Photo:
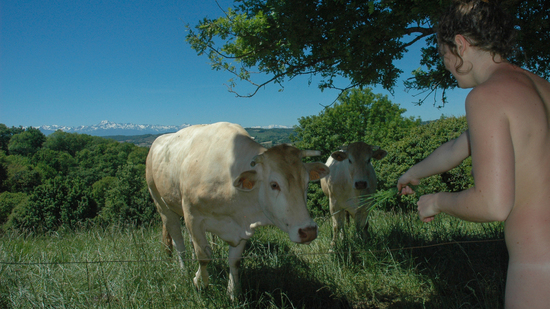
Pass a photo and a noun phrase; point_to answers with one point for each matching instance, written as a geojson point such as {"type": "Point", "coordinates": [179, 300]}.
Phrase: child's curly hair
{"type": "Point", "coordinates": [482, 22]}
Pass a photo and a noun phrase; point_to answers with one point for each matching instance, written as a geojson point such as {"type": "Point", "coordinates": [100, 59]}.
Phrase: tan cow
{"type": "Point", "coordinates": [221, 181]}
{"type": "Point", "coordinates": [351, 177]}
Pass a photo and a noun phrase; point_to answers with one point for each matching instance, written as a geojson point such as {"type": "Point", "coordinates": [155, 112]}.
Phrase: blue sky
{"type": "Point", "coordinates": [80, 62]}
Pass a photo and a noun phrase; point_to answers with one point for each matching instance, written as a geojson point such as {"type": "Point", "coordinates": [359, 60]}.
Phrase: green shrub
{"type": "Point", "coordinates": [100, 188]}
{"type": "Point", "coordinates": [317, 201]}
{"type": "Point", "coordinates": [359, 115]}
{"type": "Point", "coordinates": [3, 169]}
{"type": "Point", "coordinates": [10, 201]}
{"type": "Point", "coordinates": [68, 179]}
{"type": "Point", "coordinates": [61, 162]}
{"type": "Point", "coordinates": [70, 143]}
{"type": "Point", "coordinates": [26, 143]}
{"type": "Point", "coordinates": [128, 200]}
{"type": "Point", "coordinates": [421, 142]}
{"type": "Point", "coordinates": [138, 155]}
{"type": "Point", "coordinates": [21, 174]}
{"type": "Point", "coordinates": [58, 202]}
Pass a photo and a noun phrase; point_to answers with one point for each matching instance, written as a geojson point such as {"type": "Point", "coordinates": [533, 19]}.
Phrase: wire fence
{"type": "Point", "coordinates": [258, 256]}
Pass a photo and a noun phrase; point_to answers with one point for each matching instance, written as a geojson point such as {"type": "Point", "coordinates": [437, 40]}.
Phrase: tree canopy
{"type": "Point", "coordinates": [358, 115]}
{"type": "Point", "coordinates": [68, 179]}
{"type": "Point", "coordinates": [359, 40]}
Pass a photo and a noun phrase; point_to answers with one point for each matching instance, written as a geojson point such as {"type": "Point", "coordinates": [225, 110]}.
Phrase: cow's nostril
{"type": "Point", "coordinates": [302, 233]}
{"type": "Point", "coordinates": [360, 185]}
{"type": "Point", "coordinates": [307, 234]}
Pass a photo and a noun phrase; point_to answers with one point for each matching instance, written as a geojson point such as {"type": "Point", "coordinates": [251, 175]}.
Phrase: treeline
{"type": "Point", "coordinates": [274, 136]}
{"type": "Point", "coordinates": [263, 136]}
{"type": "Point", "coordinates": [70, 179]}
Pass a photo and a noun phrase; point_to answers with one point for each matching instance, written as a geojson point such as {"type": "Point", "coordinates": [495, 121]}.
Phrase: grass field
{"type": "Point", "coordinates": [403, 264]}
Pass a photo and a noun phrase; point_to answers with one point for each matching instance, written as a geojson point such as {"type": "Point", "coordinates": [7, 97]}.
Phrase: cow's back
{"type": "Point", "coordinates": [199, 162]}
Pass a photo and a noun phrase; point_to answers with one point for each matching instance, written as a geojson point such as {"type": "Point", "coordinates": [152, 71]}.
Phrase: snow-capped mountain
{"type": "Point", "coordinates": [109, 128]}
{"type": "Point", "coordinates": [106, 128]}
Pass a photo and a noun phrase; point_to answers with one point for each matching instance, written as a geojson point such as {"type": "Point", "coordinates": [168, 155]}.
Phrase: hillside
{"type": "Point", "coordinates": [267, 137]}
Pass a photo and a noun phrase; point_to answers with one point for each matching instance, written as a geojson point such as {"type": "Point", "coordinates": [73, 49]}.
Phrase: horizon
{"type": "Point", "coordinates": [75, 63]}
{"type": "Point", "coordinates": [106, 121]}
{"type": "Point", "coordinates": [107, 128]}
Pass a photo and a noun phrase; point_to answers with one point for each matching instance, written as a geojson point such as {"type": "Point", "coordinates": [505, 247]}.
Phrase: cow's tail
{"type": "Point", "coordinates": [167, 240]}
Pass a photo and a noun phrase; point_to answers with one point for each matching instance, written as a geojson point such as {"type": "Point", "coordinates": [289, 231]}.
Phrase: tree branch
{"type": "Point", "coordinates": [423, 30]}
{"type": "Point", "coordinates": [416, 40]}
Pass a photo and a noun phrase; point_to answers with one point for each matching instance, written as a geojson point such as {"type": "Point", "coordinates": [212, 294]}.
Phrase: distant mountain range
{"type": "Point", "coordinates": [109, 128]}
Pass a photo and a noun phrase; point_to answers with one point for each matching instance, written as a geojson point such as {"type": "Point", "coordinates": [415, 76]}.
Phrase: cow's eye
{"type": "Point", "coordinates": [275, 186]}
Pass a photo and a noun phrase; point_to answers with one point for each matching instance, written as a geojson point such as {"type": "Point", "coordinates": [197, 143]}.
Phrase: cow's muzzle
{"type": "Point", "coordinates": [307, 234]}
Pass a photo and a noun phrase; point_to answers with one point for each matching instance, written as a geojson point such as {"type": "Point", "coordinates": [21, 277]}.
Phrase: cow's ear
{"type": "Point", "coordinates": [317, 170]}
{"type": "Point", "coordinates": [246, 181]}
{"type": "Point", "coordinates": [339, 155]}
{"type": "Point", "coordinates": [379, 154]}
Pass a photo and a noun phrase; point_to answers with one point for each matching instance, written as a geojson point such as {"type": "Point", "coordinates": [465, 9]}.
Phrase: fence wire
{"type": "Point", "coordinates": [256, 256]}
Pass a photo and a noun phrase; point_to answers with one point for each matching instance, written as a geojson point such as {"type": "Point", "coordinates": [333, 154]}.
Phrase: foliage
{"type": "Point", "coordinates": [68, 142]}
{"type": "Point", "coordinates": [357, 40]}
{"type": "Point", "coordinates": [143, 140]}
{"type": "Point", "coordinates": [68, 179]}
{"type": "Point", "coordinates": [271, 136]}
{"type": "Point", "coordinates": [8, 202]}
{"type": "Point", "coordinates": [359, 115]}
{"type": "Point", "coordinates": [128, 198]}
{"type": "Point", "coordinates": [6, 134]}
{"type": "Point", "coordinates": [317, 201]}
{"type": "Point", "coordinates": [73, 179]}
{"type": "Point", "coordinates": [53, 162]}
{"type": "Point", "coordinates": [57, 202]}
{"type": "Point", "coordinates": [26, 143]}
{"type": "Point", "coordinates": [100, 188]}
{"type": "Point", "coordinates": [21, 174]}
{"type": "Point", "coordinates": [421, 142]}
{"type": "Point", "coordinates": [3, 170]}
{"type": "Point", "coordinates": [138, 156]}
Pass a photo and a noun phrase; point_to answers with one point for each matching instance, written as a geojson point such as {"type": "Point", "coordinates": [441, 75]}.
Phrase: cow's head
{"type": "Point", "coordinates": [281, 179]}
{"type": "Point", "coordinates": [357, 157]}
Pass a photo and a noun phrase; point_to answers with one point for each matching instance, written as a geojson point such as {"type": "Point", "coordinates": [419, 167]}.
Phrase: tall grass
{"type": "Point", "coordinates": [404, 263]}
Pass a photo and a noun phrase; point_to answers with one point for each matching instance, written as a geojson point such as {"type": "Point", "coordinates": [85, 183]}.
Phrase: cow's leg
{"type": "Point", "coordinates": [203, 251]}
{"type": "Point", "coordinates": [204, 254]}
{"type": "Point", "coordinates": [361, 220]}
{"type": "Point", "coordinates": [235, 254]}
{"type": "Point", "coordinates": [171, 230]}
{"type": "Point", "coordinates": [338, 218]}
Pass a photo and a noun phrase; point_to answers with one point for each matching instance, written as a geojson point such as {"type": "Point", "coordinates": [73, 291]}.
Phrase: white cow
{"type": "Point", "coordinates": [351, 177]}
{"type": "Point", "coordinates": [221, 181]}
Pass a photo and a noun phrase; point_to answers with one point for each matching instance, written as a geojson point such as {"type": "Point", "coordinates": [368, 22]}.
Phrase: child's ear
{"type": "Point", "coordinates": [461, 44]}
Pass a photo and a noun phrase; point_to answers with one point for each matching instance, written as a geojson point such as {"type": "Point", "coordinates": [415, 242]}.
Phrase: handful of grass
{"type": "Point", "coordinates": [377, 199]}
